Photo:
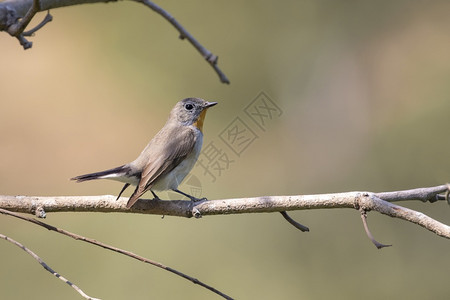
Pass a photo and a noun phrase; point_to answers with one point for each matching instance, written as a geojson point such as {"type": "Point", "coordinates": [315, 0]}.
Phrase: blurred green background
{"type": "Point", "coordinates": [363, 87]}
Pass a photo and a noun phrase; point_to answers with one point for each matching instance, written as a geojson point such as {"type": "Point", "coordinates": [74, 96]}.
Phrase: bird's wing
{"type": "Point", "coordinates": [171, 152]}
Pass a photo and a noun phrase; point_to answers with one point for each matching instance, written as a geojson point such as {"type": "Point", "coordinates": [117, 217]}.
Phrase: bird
{"type": "Point", "coordinates": [169, 156]}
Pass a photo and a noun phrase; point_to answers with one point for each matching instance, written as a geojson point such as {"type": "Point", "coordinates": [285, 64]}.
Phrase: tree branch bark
{"type": "Point", "coordinates": [362, 202]}
{"type": "Point", "coordinates": [368, 201]}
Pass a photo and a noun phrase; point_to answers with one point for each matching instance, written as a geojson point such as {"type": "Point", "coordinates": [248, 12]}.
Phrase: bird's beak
{"type": "Point", "coordinates": [209, 104]}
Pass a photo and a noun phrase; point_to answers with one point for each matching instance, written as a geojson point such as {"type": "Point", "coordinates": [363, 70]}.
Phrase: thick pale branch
{"type": "Point", "coordinates": [355, 200]}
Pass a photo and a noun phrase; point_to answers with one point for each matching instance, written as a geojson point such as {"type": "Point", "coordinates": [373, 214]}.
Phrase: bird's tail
{"type": "Point", "coordinates": [115, 173]}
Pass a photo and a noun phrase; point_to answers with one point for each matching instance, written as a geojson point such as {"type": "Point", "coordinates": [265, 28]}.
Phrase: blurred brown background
{"type": "Point", "coordinates": [363, 87]}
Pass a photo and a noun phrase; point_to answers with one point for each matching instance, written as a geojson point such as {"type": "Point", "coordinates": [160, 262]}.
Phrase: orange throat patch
{"type": "Point", "coordinates": [200, 120]}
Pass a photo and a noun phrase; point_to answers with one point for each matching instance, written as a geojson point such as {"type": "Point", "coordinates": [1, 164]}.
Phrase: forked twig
{"type": "Point", "coordinates": [17, 29]}
{"type": "Point", "coordinates": [115, 249]}
{"type": "Point", "coordinates": [48, 18]}
{"type": "Point", "coordinates": [47, 267]}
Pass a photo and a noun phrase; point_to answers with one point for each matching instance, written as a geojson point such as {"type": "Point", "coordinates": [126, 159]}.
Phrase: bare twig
{"type": "Point", "coordinates": [430, 194]}
{"type": "Point", "coordinates": [17, 29]}
{"type": "Point", "coordinates": [115, 249]}
{"type": "Point", "coordinates": [369, 234]}
{"type": "Point", "coordinates": [415, 217]}
{"type": "Point", "coordinates": [293, 222]}
{"type": "Point", "coordinates": [48, 18]}
{"type": "Point", "coordinates": [46, 267]}
{"type": "Point", "coordinates": [447, 193]}
{"type": "Point", "coordinates": [14, 18]}
{"type": "Point", "coordinates": [184, 34]}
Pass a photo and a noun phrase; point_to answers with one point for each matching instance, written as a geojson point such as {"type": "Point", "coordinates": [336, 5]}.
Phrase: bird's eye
{"type": "Point", "coordinates": [189, 106]}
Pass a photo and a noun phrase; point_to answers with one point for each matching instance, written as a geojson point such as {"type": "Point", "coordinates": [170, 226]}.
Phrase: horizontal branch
{"type": "Point", "coordinates": [355, 200]}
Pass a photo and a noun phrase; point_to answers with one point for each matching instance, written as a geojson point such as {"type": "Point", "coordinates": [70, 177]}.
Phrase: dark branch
{"type": "Point", "coordinates": [115, 249]}
{"type": "Point", "coordinates": [48, 18]}
{"type": "Point", "coordinates": [293, 222]}
{"type": "Point", "coordinates": [16, 15]}
{"type": "Point", "coordinates": [184, 34]}
{"type": "Point", "coordinates": [17, 29]}
{"type": "Point", "coordinates": [45, 266]}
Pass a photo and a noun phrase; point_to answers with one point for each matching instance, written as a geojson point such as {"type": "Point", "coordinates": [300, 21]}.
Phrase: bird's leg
{"type": "Point", "coordinates": [155, 197]}
{"type": "Point", "coordinates": [194, 199]}
{"type": "Point", "coordinates": [123, 189]}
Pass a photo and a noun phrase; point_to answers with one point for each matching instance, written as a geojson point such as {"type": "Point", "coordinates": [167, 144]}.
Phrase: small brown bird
{"type": "Point", "coordinates": [169, 156]}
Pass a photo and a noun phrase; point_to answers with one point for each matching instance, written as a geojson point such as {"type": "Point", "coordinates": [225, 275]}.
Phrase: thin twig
{"type": "Point", "coordinates": [369, 234]}
{"type": "Point", "coordinates": [293, 222]}
{"type": "Point", "coordinates": [447, 193]}
{"type": "Point", "coordinates": [18, 28]}
{"type": "Point", "coordinates": [48, 18]}
{"type": "Point", "coordinates": [115, 249]}
{"type": "Point", "coordinates": [46, 267]}
{"type": "Point", "coordinates": [423, 194]}
{"type": "Point", "coordinates": [184, 34]}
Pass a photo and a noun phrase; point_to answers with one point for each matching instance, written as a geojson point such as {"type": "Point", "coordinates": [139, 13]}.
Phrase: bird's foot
{"type": "Point", "coordinates": [194, 199]}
